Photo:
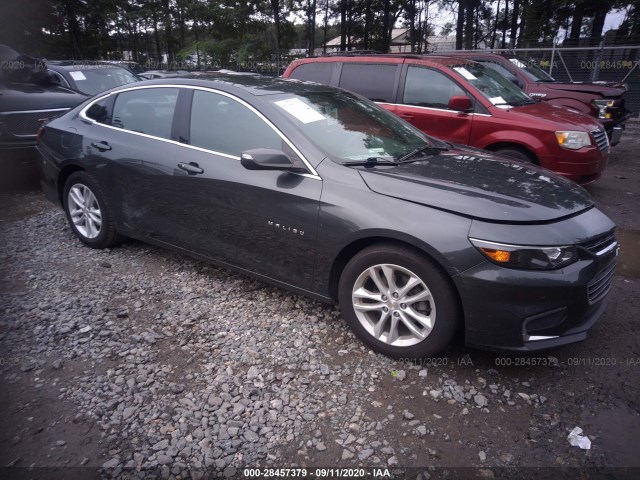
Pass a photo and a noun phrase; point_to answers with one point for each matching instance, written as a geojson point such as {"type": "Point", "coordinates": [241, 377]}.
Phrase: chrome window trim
{"type": "Point", "coordinates": [65, 109]}
{"type": "Point", "coordinates": [313, 173]}
{"type": "Point", "coordinates": [433, 108]}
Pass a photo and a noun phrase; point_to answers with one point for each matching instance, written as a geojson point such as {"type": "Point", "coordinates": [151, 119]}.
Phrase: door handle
{"type": "Point", "coordinates": [102, 146]}
{"type": "Point", "coordinates": [406, 116]}
{"type": "Point", "coordinates": [191, 168]}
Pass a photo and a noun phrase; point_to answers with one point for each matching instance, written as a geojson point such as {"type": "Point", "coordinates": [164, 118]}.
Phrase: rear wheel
{"type": "Point", "coordinates": [398, 302]}
{"type": "Point", "coordinates": [88, 211]}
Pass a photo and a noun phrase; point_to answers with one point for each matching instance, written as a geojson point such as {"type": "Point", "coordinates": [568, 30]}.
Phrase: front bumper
{"type": "Point", "coordinates": [525, 310]}
{"type": "Point", "coordinates": [513, 310]}
{"type": "Point", "coordinates": [582, 166]}
{"type": "Point", "coordinates": [615, 134]}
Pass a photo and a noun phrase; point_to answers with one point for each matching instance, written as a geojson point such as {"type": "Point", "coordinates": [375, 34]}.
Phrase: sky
{"type": "Point", "coordinates": [440, 18]}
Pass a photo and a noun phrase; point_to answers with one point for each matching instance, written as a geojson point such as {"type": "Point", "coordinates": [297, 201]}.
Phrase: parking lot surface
{"type": "Point", "coordinates": [136, 359]}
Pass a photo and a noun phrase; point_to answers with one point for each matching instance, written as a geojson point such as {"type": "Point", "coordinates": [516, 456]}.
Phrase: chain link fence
{"type": "Point", "coordinates": [618, 63]}
{"type": "Point", "coordinates": [589, 64]}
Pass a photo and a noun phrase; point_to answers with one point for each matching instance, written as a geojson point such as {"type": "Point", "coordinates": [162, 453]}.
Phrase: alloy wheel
{"type": "Point", "coordinates": [84, 211]}
{"type": "Point", "coordinates": [393, 305]}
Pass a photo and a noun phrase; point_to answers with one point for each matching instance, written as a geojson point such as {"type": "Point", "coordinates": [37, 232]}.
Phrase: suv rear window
{"type": "Point", "coordinates": [314, 72]}
{"type": "Point", "coordinates": [374, 81]}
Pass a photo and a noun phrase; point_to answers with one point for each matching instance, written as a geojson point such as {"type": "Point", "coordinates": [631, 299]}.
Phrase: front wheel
{"type": "Point", "coordinates": [88, 211]}
{"type": "Point", "coordinates": [517, 153]}
{"type": "Point", "coordinates": [398, 302]}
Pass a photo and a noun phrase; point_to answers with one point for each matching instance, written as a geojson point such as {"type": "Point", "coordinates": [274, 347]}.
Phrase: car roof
{"type": "Point", "coordinates": [257, 85]}
{"type": "Point", "coordinates": [431, 59]}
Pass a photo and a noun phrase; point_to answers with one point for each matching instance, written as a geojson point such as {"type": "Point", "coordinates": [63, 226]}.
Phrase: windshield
{"type": "Point", "coordinates": [350, 129]}
{"type": "Point", "coordinates": [532, 71]}
{"type": "Point", "coordinates": [496, 88]}
{"type": "Point", "coordinates": [98, 79]}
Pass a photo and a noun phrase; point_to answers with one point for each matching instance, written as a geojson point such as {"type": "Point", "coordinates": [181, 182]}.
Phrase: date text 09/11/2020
{"type": "Point", "coordinates": [316, 472]}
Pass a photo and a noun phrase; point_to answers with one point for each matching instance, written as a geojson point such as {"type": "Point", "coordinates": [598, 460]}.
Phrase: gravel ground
{"type": "Point", "coordinates": [138, 361]}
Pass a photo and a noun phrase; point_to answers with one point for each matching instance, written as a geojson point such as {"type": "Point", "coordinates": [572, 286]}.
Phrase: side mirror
{"type": "Point", "coordinates": [518, 82]}
{"type": "Point", "coordinates": [265, 159]}
{"type": "Point", "coordinates": [461, 103]}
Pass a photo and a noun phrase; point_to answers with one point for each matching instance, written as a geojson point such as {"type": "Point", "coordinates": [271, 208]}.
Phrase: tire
{"type": "Point", "coordinates": [88, 211]}
{"type": "Point", "coordinates": [364, 283]}
{"type": "Point", "coordinates": [517, 154]}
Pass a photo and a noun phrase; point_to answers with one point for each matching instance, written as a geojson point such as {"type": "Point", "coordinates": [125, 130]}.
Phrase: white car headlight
{"type": "Point", "coordinates": [602, 106]}
{"type": "Point", "coordinates": [573, 139]}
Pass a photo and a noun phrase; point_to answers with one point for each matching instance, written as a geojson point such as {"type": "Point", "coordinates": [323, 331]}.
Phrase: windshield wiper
{"type": "Point", "coordinates": [428, 149]}
{"type": "Point", "coordinates": [372, 161]}
{"type": "Point", "coordinates": [527, 101]}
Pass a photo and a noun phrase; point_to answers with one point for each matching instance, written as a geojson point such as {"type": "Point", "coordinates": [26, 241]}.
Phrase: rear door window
{"type": "Point", "coordinates": [100, 111]}
{"type": "Point", "coordinates": [425, 87]}
{"type": "Point", "coordinates": [377, 82]}
{"type": "Point", "coordinates": [149, 111]}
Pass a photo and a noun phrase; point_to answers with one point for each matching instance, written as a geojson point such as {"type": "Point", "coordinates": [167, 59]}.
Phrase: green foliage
{"type": "Point", "coordinates": [222, 32]}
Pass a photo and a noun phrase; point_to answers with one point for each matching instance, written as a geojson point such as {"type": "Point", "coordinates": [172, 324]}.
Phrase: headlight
{"type": "Point", "coordinates": [602, 105]}
{"type": "Point", "coordinates": [526, 256]}
{"type": "Point", "coordinates": [573, 139]}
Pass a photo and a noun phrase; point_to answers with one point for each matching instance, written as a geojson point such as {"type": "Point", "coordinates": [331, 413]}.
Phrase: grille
{"type": "Point", "coordinates": [601, 284]}
{"type": "Point", "coordinates": [25, 124]}
{"type": "Point", "coordinates": [601, 139]}
{"type": "Point", "coordinates": [601, 244]}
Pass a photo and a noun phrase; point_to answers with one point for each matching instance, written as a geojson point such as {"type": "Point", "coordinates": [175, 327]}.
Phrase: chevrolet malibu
{"type": "Point", "coordinates": [325, 193]}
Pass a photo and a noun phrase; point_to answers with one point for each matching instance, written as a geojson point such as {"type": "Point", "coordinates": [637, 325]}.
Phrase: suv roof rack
{"type": "Point", "coordinates": [348, 53]}
{"type": "Point", "coordinates": [71, 63]}
{"type": "Point", "coordinates": [355, 53]}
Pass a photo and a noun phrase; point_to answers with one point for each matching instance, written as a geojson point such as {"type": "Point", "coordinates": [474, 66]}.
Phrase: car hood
{"type": "Point", "coordinates": [480, 185]}
{"type": "Point", "coordinates": [606, 89]}
{"type": "Point", "coordinates": [563, 117]}
{"type": "Point", "coordinates": [28, 96]}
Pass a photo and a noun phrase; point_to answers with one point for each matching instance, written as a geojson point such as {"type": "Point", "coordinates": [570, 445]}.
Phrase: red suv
{"type": "Point", "coordinates": [603, 100]}
{"type": "Point", "coordinates": [464, 102]}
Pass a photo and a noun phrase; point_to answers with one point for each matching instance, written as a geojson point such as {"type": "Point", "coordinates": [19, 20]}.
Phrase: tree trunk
{"type": "Point", "coordinates": [412, 24]}
{"type": "Point", "coordinates": [515, 13]}
{"type": "Point", "coordinates": [504, 23]}
{"type": "Point", "coordinates": [195, 34]}
{"type": "Point", "coordinates": [385, 26]}
{"type": "Point", "coordinates": [156, 34]}
{"type": "Point", "coordinates": [326, 26]}
{"type": "Point", "coordinates": [312, 28]}
{"type": "Point", "coordinates": [460, 24]}
{"type": "Point", "coordinates": [275, 6]}
{"type": "Point", "coordinates": [468, 25]}
{"type": "Point", "coordinates": [73, 32]}
{"type": "Point", "coordinates": [349, 23]}
{"type": "Point", "coordinates": [598, 24]}
{"type": "Point", "coordinates": [181, 28]}
{"type": "Point", "coordinates": [343, 25]}
{"type": "Point", "coordinates": [576, 23]}
{"type": "Point", "coordinates": [367, 25]}
{"type": "Point", "coordinates": [523, 23]}
{"type": "Point", "coordinates": [495, 26]}
{"type": "Point", "coordinates": [168, 32]}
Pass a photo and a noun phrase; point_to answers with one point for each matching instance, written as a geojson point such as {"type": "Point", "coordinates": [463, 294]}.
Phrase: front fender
{"type": "Point", "coordinates": [530, 142]}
